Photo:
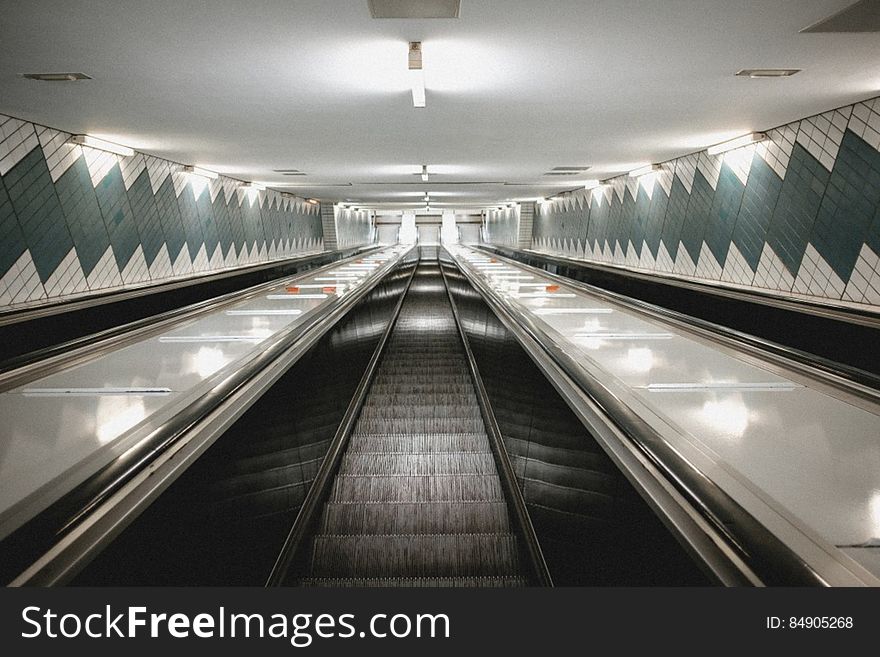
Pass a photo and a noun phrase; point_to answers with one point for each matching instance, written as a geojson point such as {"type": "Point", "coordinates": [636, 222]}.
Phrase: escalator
{"type": "Point", "coordinates": [378, 460]}
{"type": "Point", "coordinates": [417, 499]}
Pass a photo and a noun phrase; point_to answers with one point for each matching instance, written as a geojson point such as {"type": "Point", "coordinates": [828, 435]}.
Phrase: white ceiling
{"type": "Point", "coordinates": [514, 87]}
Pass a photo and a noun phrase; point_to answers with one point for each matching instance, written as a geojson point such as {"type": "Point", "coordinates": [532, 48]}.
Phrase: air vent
{"type": "Point", "coordinates": [56, 77]}
{"type": "Point", "coordinates": [414, 8]}
{"type": "Point", "coordinates": [290, 172]}
{"type": "Point", "coordinates": [562, 173]}
{"type": "Point", "coordinates": [862, 16]}
{"type": "Point", "coordinates": [571, 169]}
{"type": "Point", "coordinates": [767, 72]}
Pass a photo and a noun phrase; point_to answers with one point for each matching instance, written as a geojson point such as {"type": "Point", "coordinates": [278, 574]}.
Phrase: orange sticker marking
{"type": "Point", "coordinates": [330, 289]}
{"type": "Point", "coordinates": [293, 289]}
{"type": "Point", "coordinates": [553, 288]}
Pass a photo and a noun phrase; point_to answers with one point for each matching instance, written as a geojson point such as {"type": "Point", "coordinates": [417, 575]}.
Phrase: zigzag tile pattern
{"type": "Point", "coordinates": [76, 221]}
{"type": "Point", "coordinates": [798, 214]}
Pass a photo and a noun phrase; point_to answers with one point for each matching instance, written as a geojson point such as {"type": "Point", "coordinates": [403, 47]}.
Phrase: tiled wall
{"type": "Point", "coordinates": [345, 227]}
{"type": "Point", "coordinates": [501, 226]}
{"type": "Point", "coordinates": [796, 215]}
{"type": "Point", "coordinates": [76, 221]}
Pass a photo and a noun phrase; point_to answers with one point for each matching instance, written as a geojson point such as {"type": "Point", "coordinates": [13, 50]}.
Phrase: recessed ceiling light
{"type": "Point", "coordinates": [56, 77]}
{"type": "Point", "coordinates": [739, 142]}
{"type": "Point", "coordinates": [424, 173]}
{"type": "Point", "coordinates": [312, 201]}
{"type": "Point", "coordinates": [416, 74]}
{"type": "Point", "coordinates": [767, 72]}
{"type": "Point", "coordinates": [101, 144]}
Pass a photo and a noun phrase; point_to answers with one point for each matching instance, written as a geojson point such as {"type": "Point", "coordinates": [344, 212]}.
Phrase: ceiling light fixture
{"type": "Point", "coordinates": [424, 173]}
{"type": "Point", "coordinates": [56, 77]}
{"type": "Point", "coordinates": [739, 142]}
{"type": "Point", "coordinates": [198, 171]}
{"type": "Point", "coordinates": [416, 74]}
{"type": "Point", "coordinates": [645, 170]}
{"type": "Point", "coordinates": [101, 144]}
{"type": "Point", "coordinates": [755, 73]}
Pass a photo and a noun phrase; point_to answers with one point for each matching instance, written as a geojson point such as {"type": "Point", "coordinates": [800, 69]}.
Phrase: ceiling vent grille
{"type": "Point", "coordinates": [414, 8]}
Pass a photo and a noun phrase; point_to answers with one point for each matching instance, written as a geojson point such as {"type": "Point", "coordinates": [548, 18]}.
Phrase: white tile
{"type": "Point", "coordinates": [182, 265]}
{"type": "Point", "coordinates": [158, 170]}
{"type": "Point", "coordinates": [105, 274]}
{"type": "Point", "coordinates": [136, 270]}
{"type": "Point", "coordinates": [685, 168]}
{"type": "Point", "coordinates": [160, 268]}
{"type": "Point", "coordinates": [683, 262]}
{"type": "Point", "coordinates": [710, 167]}
{"type": "Point", "coordinates": [19, 139]}
{"type": "Point", "coordinates": [131, 168]}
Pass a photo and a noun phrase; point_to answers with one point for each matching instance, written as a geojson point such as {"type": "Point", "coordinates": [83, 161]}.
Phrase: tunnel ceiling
{"type": "Point", "coordinates": [515, 89]}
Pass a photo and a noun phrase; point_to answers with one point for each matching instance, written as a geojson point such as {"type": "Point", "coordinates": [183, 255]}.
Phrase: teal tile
{"type": "Point", "coordinates": [39, 212]}
{"type": "Point", "coordinates": [118, 217]}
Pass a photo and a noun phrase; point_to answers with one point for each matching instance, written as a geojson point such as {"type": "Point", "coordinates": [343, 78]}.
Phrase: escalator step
{"type": "Point", "coordinates": [418, 555]}
{"type": "Point", "coordinates": [418, 444]}
{"type": "Point", "coordinates": [422, 582]}
{"type": "Point", "coordinates": [416, 518]}
{"type": "Point", "coordinates": [407, 488]}
{"type": "Point", "coordinates": [377, 463]}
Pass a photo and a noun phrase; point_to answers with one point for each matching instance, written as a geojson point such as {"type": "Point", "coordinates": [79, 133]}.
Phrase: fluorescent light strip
{"type": "Point", "coordinates": [623, 336]}
{"type": "Point", "coordinates": [310, 286]}
{"type": "Point", "coordinates": [296, 296]}
{"type": "Point", "coordinates": [257, 313]}
{"type": "Point", "coordinates": [772, 386]}
{"type": "Point", "coordinates": [93, 392]}
{"type": "Point", "coordinates": [198, 171]}
{"type": "Point", "coordinates": [642, 171]}
{"type": "Point", "coordinates": [573, 311]}
{"type": "Point", "coordinates": [101, 144]}
{"type": "Point", "coordinates": [543, 295]}
{"type": "Point", "coordinates": [739, 142]}
{"type": "Point", "coordinates": [338, 278]}
{"type": "Point", "coordinates": [212, 338]}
